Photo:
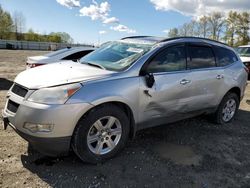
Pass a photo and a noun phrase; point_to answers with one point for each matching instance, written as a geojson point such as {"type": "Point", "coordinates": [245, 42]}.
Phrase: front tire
{"type": "Point", "coordinates": [227, 109]}
{"type": "Point", "coordinates": [101, 134]}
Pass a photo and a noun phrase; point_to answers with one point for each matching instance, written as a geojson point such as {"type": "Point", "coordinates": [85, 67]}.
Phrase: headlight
{"type": "Point", "coordinates": [54, 95]}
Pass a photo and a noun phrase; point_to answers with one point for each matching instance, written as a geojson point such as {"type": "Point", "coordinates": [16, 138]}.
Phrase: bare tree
{"type": "Point", "coordinates": [216, 22]}
{"type": "Point", "coordinates": [183, 30]}
{"type": "Point", "coordinates": [19, 24]}
{"type": "Point", "coordinates": [173, 33]}
{"type": "Point", "coordinates": [189, 29]}
{"type": "Point", "coordinates": [233, 28]}
{"type": "Point", "coordinates": [203, 26]}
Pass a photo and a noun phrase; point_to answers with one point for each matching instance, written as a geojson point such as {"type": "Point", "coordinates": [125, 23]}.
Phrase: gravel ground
{"type": "Point", "coordinates": [194, 153]}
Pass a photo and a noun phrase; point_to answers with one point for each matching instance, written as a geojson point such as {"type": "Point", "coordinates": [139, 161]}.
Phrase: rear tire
{"type": "Point", "coordinates": [101, 134]}
{"type": "Point", "coordinates": [227, 109]}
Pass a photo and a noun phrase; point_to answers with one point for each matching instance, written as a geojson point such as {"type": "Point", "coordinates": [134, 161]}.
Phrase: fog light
{"type": "Point", "coordinates": [33, 127]}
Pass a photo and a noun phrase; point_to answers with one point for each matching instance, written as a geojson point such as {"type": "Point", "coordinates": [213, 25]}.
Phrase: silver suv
{"type": "Point", "coordinates": [94, 106]}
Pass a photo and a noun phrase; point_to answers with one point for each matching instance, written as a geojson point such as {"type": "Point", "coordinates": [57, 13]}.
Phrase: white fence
{"type": "Point", "coordinates": [30, 45]}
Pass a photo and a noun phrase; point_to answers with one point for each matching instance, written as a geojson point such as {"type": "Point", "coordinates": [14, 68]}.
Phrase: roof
{"type": "Point", "coordinates": [151, 39]}
{"type": "Point", "coordinates": [143, 39]}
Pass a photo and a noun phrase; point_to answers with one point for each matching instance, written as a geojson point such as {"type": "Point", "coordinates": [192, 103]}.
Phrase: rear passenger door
{"type": "Point", "coordinates": [204, 75]}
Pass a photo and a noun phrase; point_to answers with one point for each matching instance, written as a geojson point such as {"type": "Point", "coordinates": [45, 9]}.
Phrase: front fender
{"type": "Point", "coordinates": [124, 90]}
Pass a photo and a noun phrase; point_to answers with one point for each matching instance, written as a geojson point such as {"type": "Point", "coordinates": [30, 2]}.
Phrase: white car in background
{"type": "Point", "coordinates": [244, 53]}
{"type": "Point", "coordinates": [69, 53]}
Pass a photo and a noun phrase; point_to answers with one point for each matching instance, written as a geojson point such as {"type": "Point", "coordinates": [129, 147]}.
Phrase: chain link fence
{"type": "Point", "coordinates": [30, 45]}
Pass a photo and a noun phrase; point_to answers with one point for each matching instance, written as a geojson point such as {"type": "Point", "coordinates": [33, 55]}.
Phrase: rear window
{"type": "Point", "coordinates": [77, 55]}
{"type": "Point", "coordinates": [201, 57]}
{"type": "Point", "coordinates": [225, 56]}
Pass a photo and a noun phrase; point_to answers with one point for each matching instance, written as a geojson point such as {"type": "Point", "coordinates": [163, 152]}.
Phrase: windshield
{"type": "Point", "coordinates": [243, 51]}
{"type": "Point", "coordinates": [116, 56]}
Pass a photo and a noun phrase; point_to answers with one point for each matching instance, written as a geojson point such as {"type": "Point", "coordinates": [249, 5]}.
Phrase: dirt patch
{"type": "Point", "coordinates": [179, 154]}
{"type": "Point", "coordinates": [194, 153]}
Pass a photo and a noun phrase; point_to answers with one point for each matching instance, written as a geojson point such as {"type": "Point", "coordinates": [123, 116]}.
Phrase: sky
{"type": "Point", "coordinates": [97, 21]}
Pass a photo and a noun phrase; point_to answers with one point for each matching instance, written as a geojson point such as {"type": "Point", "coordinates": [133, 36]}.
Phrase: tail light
{"type": "Point", "coordinates": [247, 66]}
{"type": "Point", "coordinates": [33, 65]}
{"type": "Point", "coordinates": [246, 69]}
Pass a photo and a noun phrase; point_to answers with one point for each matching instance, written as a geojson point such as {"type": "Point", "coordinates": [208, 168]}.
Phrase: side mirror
{"type": "Point", "coordinates": [150, 80]}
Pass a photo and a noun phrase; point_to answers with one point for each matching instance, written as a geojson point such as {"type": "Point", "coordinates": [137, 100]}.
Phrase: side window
{"type": "Point", "coordinates": [77, 55]}
{"type": "Point", "coordinates": [170, 59]}
{"type": "Point", "coordinates": [201, 57]}
{"type": "Point", "coordinates": [225, 56]}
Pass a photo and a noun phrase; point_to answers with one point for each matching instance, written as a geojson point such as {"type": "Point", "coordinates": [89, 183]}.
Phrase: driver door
{"type": "Point", "coordinates": [168, 98]}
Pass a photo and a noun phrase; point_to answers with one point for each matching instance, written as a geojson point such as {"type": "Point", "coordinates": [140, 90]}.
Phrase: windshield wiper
{"type": "Point", "coordinates": [96, 65]}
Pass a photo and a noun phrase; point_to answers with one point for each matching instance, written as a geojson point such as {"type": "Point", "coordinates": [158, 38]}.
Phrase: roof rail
{"type": "Point", "coordinates": [175, 38]}
{"type": "Point", "coordinates": [134, 37]}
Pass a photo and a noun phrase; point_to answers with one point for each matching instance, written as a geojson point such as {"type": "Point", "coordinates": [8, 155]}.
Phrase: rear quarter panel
{"type": "Point", "coordinates": [234, 76]}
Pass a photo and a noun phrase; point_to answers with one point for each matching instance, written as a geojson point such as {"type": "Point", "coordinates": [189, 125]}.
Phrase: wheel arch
{"type": "Point", "coordinates": [125, 107]}
{"type": "Point", "coordinates": [235, 90]}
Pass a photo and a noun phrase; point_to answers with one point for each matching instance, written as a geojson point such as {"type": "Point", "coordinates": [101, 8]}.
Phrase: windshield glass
{"type": "Point", "coordinates": [243, 51]}
{"type": "Point", "coordinates": [116, 56]}
{"type": "Point", "coordinates": [51, 54]}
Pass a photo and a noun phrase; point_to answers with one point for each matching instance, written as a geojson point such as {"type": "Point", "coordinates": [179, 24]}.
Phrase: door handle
{"type": "Point", "coordinates": [184, 81]}
{"type": "Point", "coordinates": [219, 76]}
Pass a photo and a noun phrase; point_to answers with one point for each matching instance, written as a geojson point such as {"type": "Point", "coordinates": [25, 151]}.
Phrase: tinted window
{"type": "Point", "coordinates": [201, 57]}
{"type": "Point", "coordinates": [225, 56]}
{"type": "Point", "coordinates": [170, 59]}
{"type": "Point", "coordinates": [77, 55]}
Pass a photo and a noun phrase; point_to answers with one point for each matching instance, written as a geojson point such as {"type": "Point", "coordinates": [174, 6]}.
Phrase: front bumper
{"type": "Point", "coordinates": [63, 117]}
{"type": "Point", "coordinates": [48, 146]}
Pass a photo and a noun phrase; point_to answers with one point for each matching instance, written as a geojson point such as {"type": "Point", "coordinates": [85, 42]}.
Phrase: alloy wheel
{"type": "Point", "coordinates": [229, 110]}
{"type": "Point", "coordinates": [104, 135]}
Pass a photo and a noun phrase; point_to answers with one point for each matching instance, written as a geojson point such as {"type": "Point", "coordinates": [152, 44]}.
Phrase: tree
{"type": "Point", "coordinates": [19, 24]}
{"type": "Point", "coordinates": [31, 36]}
{"type": "Point", "coordinates": [173, 33]}
{"type": "Point", "coordinates": [243, 28]}
{"type": "Point", "coordinates": [203, 26]}
{"type": "Point", "coordinates": [53, 37]}
{"type": "Point", "coordinates": [231, 27]}
{"type": "Point", "coordinates": [188, 29]}
{"type": "Point", "coordinates": [183, 30]}
{"type": "Point", "coordinates": [216, 23]}
{"type": "Point", "coordinates": [65, 37]}
{"type": "Point", "coordinates": [6, 24]}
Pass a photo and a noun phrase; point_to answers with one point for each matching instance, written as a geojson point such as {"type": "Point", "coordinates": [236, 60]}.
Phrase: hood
{"type": "Point", "coordinates": [245, 59]}
{"type": "Point", "coordinates": [59, 73]}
